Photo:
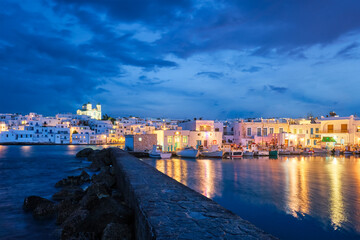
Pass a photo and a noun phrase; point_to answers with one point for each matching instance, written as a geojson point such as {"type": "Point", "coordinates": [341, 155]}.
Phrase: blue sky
{"type": "Point", "coordinates": [163, 58]}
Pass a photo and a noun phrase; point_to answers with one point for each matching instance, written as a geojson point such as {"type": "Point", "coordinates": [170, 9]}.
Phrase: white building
{"type": "Point", "coordinates": [89, 111]}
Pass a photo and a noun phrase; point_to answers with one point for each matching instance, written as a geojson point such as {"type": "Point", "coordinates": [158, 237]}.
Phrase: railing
{"type": "Point", "coordinates": [316, 136]}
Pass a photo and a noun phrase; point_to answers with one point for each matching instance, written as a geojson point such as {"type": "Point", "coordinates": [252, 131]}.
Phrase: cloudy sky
{"type": "Point", "coordinates": [171, 58]}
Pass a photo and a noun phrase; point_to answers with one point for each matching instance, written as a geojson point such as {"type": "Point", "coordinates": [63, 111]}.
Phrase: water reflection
{"type": "Point", "coordinates": [336, 206]}
{"type": "Point", "coordinates": [3, 150]}
{"type": "Point", "coordinates": [321, 192]}
{"type": "Point", "coordinates": [25, 151]}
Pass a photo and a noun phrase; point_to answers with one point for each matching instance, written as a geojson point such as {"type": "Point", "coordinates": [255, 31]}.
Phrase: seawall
{"type": "Point", "coordinates": [166, 209]}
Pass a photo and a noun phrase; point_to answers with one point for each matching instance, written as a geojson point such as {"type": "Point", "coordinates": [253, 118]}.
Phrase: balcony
{"type": "Point", "coordinates": [315, 136]}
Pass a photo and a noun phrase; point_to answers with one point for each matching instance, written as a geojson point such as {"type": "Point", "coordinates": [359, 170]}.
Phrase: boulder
{"type": "Point", "coordinates": [40, 207]}
{"type": "Point", "coordinates": [96, 163]}
{"type": "Point", "coordinates": [74, 180]}
{"type": "Point", "coordinates": [64, 209]}
{"type": "Point", "coordinates": [32, 202]}
{"type": "Point", "coordinates": [45, 210]}
{"type": "Point", "coordinates": [108, 210]}
{"type": "Point", "coordinates": [116, 231]}
{"type": "Point", "coordinates": [72, 225]}
{"type": "Point", "coordinates": [100, 190]}
{"type": "Point", "coordinates": [85, 152]}
{"type": "Point", "coordinates": [74, 193]}
{"type": "Point", "coordinates": [104, 177]}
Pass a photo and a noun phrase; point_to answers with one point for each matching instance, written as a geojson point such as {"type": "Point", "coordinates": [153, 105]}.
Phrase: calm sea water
{"type": "Point", "coordinates": [32, 170]}
{"type": "Point", "coordinates": [290, 197]}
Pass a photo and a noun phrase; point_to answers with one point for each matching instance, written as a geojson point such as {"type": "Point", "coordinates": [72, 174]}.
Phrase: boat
{"type": "Point", "coordinates": [261, 153]}
{"type": "Point", "coordinates": [295, 152]}
{"type": "Point", "coordinates": [235, 154]}
{"type": "Point", "coordinates": [284, 152]}
{"type": "Point", "coordinates": [212, 154]}
{"type": "Point", "coordinates": [308, 151]}
{"type": "Point", "coordinates": [188, 152]}
{"type": "Point", "coordinates": [157, 153]}
{"type": "Point", "coordinates": [348, 152]}
{"type": "Point", "coordinates": [248, 153]}
{"type": "Point", "coordinates": [273, 153]}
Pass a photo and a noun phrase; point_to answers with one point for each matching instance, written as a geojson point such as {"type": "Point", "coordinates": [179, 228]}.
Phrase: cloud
{"type": "Point", "coordinates": [278, 89]}
{"type": "Point", "coordinates": [213, 75]}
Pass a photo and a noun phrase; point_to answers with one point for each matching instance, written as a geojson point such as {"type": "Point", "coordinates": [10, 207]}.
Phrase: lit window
{"type": "Point", "coordinates": [169, 139]}
{"type": "Point", "coordinates": [185, 139]}
{"type": "Point", "coordinates": [140, 139]}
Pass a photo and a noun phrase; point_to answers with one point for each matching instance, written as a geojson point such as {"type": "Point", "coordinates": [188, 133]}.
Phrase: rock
{"type": "Point", "coordinates": [85, 152]}
{"type": "Point", "coordinates": [108, 210]}
{"type": "Point", "coordinates": [65, 208]}
{"type": "Point", "coordinates": [72, 192]}
{"type": "Point", "coordinates": [89, 202]}
{"type": "Point", "coordinates": [74, 180]}
{"type": "Point", "coordinates": [104, 177]}
{"type": "Point", "coordinates": [73, 223]}
{"type": "Point", "coordinates": [96, 164]}
{"type": "Point", "coordinates": [32, 202]}
{"type": "Point", "coordinates": [114, 231]}
{"type": "Point", "coordinates": [45, 210]}
{"type": "Point", "coordinates": [100, 190]}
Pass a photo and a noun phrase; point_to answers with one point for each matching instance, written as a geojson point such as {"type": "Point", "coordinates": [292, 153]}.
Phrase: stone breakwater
{"type": "Point", "coordinates": [166, 209]}
{"type": "Point", "coordinates": [98, 212]}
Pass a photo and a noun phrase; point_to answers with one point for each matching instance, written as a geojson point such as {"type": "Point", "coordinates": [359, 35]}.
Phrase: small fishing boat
{"type": "Point", "coordinates": [348, 152]}
{"type": "Point", "coordinates": [284, 152]}
{"type": "Point", "coordinates": [273, 153]}
{"type": "Point", "coordinates": [248, 153]}
{"type": "Point", "coordinates": [212, 154]}
{"type": "Point", "coordinates": [308, 151]}
{"type": "Point", "coordinates": [261, 153]}
{"type": "Point", "coordinates": [235, 154]}
{"type": "Point", "coordinates": [156, 152]}
{"type": "Point", "coordinates": [188, 152]}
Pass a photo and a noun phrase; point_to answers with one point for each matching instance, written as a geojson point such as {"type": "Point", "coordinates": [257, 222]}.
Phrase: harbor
{"type": "Point", "coordinates": [304, 196]}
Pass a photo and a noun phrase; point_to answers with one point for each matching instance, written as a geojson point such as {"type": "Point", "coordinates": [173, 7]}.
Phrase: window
{"type": "Point", "coordinates": [317, 130]}
{"type": "Point", "coordinates": [249, 132]}
{"type": "Point", "coordinates": [216, 129]}
{"type": "Point", "coordinates": [169, 139]}
{"type": "Point", "coordinates": [330, 128]}
{"type": "Point", "coordinates": [271, 130]}
{"type": "Point", "coordinates": [314, 142]}
{"type": "Point", "coordinates": [300, 131]}
{"type": "Point", "coordinates": [264, 132]}
{"type": "Point", "coordinates": [258, 132]}
{"type": "Point", "coordinates": [185, 139]}
{"type": "Point", "coordinates": [308, 142]}
{"type": "Point", "coordinates": [344, 128]}
{"type": "Point", "coordinates": [214, 142]}
{"type": "Point", "coordinates": [140, 139]}
{"type": "Point", "coordinates": [311, 131]}
{"type": "Point", "coordinates": [295, 131]}
{"type": "Point", "coordinates": [281, 130]}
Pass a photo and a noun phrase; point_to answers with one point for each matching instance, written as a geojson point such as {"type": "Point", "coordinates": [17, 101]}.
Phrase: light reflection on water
{"type": "Point", "coordinates": [293, 197]}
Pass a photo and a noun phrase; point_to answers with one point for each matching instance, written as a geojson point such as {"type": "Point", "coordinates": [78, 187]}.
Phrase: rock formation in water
{"type": "Point", "coordinates": [98, 212]}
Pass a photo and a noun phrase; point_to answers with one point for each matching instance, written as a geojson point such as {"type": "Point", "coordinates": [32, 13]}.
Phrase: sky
{"type": "Point", "coordinates": [216, 59]}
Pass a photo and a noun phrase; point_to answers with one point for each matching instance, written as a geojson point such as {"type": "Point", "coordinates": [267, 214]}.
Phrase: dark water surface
{"type": "Point", "coordinates": [315, 197]}
{"type": "Point", "coordinates": [32, 170]}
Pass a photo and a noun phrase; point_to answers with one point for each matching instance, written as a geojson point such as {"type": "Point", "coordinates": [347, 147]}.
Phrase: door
{"type": "Point", "coordinates": [205, 143]}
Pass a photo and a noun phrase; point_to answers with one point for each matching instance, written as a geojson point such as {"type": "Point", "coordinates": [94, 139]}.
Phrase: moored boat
{"type": "Point", "coordinates": [156, 152]}
{"type": "Point", "coordinates": [235, 154]}
{"type": "Point", "coordinates": [248, 153]}
{"type": "Point", "coordinates": [261, 153]}
{"type": "Point", "coordinates": [273, 153]}
{"type": "Point", "coordinates": [188, 153]}
{"type": "Point", "coordinates": [165, 155]}
{"type": "Point", "coordinates": [212, 154]}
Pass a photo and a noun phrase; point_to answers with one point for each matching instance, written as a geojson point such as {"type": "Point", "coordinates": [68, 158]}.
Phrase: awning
{"type": "Point", "coordinates": [328, 139]}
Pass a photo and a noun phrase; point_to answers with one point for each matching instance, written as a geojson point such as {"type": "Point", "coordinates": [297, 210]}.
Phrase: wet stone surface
{"type": "Point", "coordinates": [166, 209]}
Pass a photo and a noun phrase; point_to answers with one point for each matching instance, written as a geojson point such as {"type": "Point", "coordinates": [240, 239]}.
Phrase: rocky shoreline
{"type": "Point", "coordinates": [98, 212]}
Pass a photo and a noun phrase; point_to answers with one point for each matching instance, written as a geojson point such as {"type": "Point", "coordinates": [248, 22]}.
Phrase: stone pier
{"type": "Point", "coordinates": [166, 209]}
